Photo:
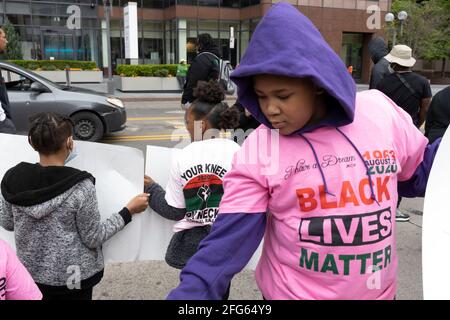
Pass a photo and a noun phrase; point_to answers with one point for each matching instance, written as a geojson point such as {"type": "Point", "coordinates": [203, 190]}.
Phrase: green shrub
{"type": "Point", "coordinates": [54, 64]}
{"type": "Point", "coordinates": [147, 70]}
{"type": "Point", "coordinates": [161, 73]}
{"type": "Point", "coordinates": [49, 67]}
{"type": "Point", "coordinates": [33, 66]}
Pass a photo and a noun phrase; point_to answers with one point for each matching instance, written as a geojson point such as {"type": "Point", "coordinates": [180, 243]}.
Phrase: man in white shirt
{"type": "Point", "coordinates": [6, 125]}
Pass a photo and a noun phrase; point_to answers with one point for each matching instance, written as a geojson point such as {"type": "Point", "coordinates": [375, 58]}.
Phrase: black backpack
{"type": "Point", "coordinates": [225, 70]}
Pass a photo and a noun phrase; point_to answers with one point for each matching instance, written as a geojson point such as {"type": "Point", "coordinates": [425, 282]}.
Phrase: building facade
{"type": "Point", "coordinates": [167, 29]}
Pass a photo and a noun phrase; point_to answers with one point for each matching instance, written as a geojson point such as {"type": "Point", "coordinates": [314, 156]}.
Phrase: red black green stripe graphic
{"type": "Point", "coordinates": [203, 191]}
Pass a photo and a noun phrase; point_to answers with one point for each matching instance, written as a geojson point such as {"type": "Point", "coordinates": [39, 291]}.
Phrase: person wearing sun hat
{"type": "Point", "coordinates": [401, 55]}
{"type": "Point", "coordinates": [408, 90]}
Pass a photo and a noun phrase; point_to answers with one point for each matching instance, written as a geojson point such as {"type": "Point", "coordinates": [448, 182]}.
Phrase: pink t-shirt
{"type": "Point", "coordinates": [340, 245]}
{"type": "Point", "coordinates": [15, 281]}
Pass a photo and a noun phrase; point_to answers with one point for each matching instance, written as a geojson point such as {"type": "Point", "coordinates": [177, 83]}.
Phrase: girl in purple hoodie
{"type": "Point", "coordinates": [319, 179]}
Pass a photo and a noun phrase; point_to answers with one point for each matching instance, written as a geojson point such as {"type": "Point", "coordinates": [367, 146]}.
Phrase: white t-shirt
{"type": "Point", "coordinates": [195, 180]}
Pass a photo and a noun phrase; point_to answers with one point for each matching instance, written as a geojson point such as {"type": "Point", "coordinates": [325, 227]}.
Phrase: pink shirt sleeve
{"type": "Point", "coordinates": [19, 284]}
{"type": "Point", "coordinates": [409, 142]}
{"type": "Point", "coordinates": [245, 191]}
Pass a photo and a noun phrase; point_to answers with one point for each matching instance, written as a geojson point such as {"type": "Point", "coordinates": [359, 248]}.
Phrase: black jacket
{"type": "Point", "coordinates": [204, 68]}
{"type": "Point", "coordinates": [438, 116]}
{"type": "Point", "coordinates": [4, 97]}
{"type": "Point", "coordinates": [378, 49]}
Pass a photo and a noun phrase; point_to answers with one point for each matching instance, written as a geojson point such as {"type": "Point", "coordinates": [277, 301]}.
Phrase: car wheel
{"type": "Point", "coordinates": [88, 126]}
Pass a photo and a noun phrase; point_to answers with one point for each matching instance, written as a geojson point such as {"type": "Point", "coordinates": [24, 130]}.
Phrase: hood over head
{"type": "Point", "coordinates": [378, 49]}
{"type": "Point", "coordinates": [211, 48]}
{"type": "Point", "coordinates": [40, 188]}
{"type": "Point", "coordinates": [286, 43]}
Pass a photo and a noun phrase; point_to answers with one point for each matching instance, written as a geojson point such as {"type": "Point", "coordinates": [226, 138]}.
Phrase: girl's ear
{"type": "Point", "coordinates": [204, 125]}
{"type": "Point", "coordinates": [69, 143]}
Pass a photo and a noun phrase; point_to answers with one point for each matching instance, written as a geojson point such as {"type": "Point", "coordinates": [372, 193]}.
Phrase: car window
{"type": "Point", "coordinates": [39, 77]}
{"type": "Point", "coordinates": [15, 81]}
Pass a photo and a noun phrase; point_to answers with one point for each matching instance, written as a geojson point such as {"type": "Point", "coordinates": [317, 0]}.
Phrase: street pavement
{"type": "Point", "coordinates": [152, 123]}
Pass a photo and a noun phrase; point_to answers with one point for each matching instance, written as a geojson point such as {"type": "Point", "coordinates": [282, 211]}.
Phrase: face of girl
{"type": "Point", "coordinates": [288, 103]}
{"type": "Point", "coordinates": [193, 125]}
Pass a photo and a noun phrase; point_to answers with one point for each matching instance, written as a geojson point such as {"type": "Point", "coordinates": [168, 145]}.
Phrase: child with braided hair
{"type": "Point", "coordinates": [194, 190]}
{"type": "Point", "coordinates": [53, 211]}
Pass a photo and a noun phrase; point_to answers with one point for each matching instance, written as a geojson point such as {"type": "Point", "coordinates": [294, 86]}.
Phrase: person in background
{"type": "Point", "coordinates": [409, 90]}
{"type": "Point", "coordinates": [378, 50]}
{"type": "Point", "coordinates": [204, 67]}
{"type": "Point", "coordinates": [6, 124]}
{"type": "Point", "coordinates": [438, 116]}
{"type": "Point", "coordinates": [181, 73]}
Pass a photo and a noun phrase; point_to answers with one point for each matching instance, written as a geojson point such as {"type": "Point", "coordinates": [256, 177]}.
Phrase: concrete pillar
{"type": "Point", "coordinates": [182, 39]}
{"type": "Point", "coordinates": [104, 45]}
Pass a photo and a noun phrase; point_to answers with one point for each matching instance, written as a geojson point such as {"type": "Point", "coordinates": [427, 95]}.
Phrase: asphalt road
{"type": "Point", "coordinates": [158, 123]}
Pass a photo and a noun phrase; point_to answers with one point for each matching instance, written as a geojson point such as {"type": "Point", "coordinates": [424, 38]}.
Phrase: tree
{"type": "Point", "coordinates": [427, 28]}
{"type": "Point", "coordinates": [14, 47]}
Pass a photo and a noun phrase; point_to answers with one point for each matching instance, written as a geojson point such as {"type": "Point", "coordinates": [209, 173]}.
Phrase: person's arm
{"type": "Point", "coordinates": [159, 204]}
{"type": "Point", "coordinates": [424, 105]}
{"type": "Point", "coordinates": [414, 155]}
{"type": "Point", "coordinates": [6, 215]}
{"type": "Point", "coordinates": [224, 252]}
{"type": "Point", "coordinates": [416, 185]}
{"type": "Point", "coordinates": [19, 283]}
{"type": "Point", "coordinates": [169, 204]}
{"type": "Point", "coordinates": [92, 230]}
{"type": "Point", "coordinates": [234, 237]}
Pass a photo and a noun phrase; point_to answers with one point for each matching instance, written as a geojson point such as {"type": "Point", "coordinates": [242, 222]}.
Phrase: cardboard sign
{"type": "Point", "coordinates": [436, 227]}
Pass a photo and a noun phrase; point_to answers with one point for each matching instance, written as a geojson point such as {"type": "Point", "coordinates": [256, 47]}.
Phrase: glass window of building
{"type": "Point", "coordinates": [352, 52]}
{"type": "Point", "coordinates": [230, 3]}
{"type": "Point", "coordinates": [187, 2]}
{"type": "Point", "coordinates": [18, 13]}
{"type": "Point", "coordinates": [154, 4]}
{"type": "Point", "coordinates": [151, 42]}
{"type": "Point", "coordinates": [209, 3]}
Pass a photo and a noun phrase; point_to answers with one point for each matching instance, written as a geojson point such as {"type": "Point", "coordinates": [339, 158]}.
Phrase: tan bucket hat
{"type": "Point", "coordinates": [401, 55]}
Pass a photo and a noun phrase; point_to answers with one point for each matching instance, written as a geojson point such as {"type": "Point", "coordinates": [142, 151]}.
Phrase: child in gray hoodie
{"type": "Point", "coordinates": [53, 211]}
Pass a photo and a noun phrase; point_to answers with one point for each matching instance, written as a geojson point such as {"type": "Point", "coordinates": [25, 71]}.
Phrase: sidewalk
{"type": "Point", "coordinates": [149, 96]}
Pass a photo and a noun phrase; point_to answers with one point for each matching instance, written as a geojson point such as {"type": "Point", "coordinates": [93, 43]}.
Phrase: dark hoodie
{"type": "Point", "coordinates": [286, 43]}
{"type": "Point", "coordinates": [54, 214]}
{"type": "Point", "coordinates": [438, 115]}
{"type": "Point", "coordinates": [378, 50]}
{"type": "Point", "coordinates": [204, 68]}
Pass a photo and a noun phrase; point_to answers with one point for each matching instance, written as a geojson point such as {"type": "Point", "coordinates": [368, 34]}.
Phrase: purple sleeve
{"type": "Point", "coordinates": [224, 252]}
{"type": "Point", "coordinates": [417, 184]}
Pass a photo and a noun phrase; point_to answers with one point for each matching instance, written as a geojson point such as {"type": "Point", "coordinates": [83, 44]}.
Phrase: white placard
{"type": "Point", "coordinates": [436, 227]}
{"type": "Point", "coordinates": [130, 20]}
{"type": "Point", "coordinates": [119, 173]}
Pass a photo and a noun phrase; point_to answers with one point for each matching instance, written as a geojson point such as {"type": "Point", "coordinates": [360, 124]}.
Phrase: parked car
{"type": "Point", "coordinates": [94, 114]}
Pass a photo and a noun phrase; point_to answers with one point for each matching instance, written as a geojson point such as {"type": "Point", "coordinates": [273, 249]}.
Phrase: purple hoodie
{"type": "Point", "coordinates": [296, 262]}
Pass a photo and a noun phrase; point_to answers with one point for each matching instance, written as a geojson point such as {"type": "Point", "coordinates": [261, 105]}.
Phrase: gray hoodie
{"type": "Point", "coordinates": [56, 236]}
